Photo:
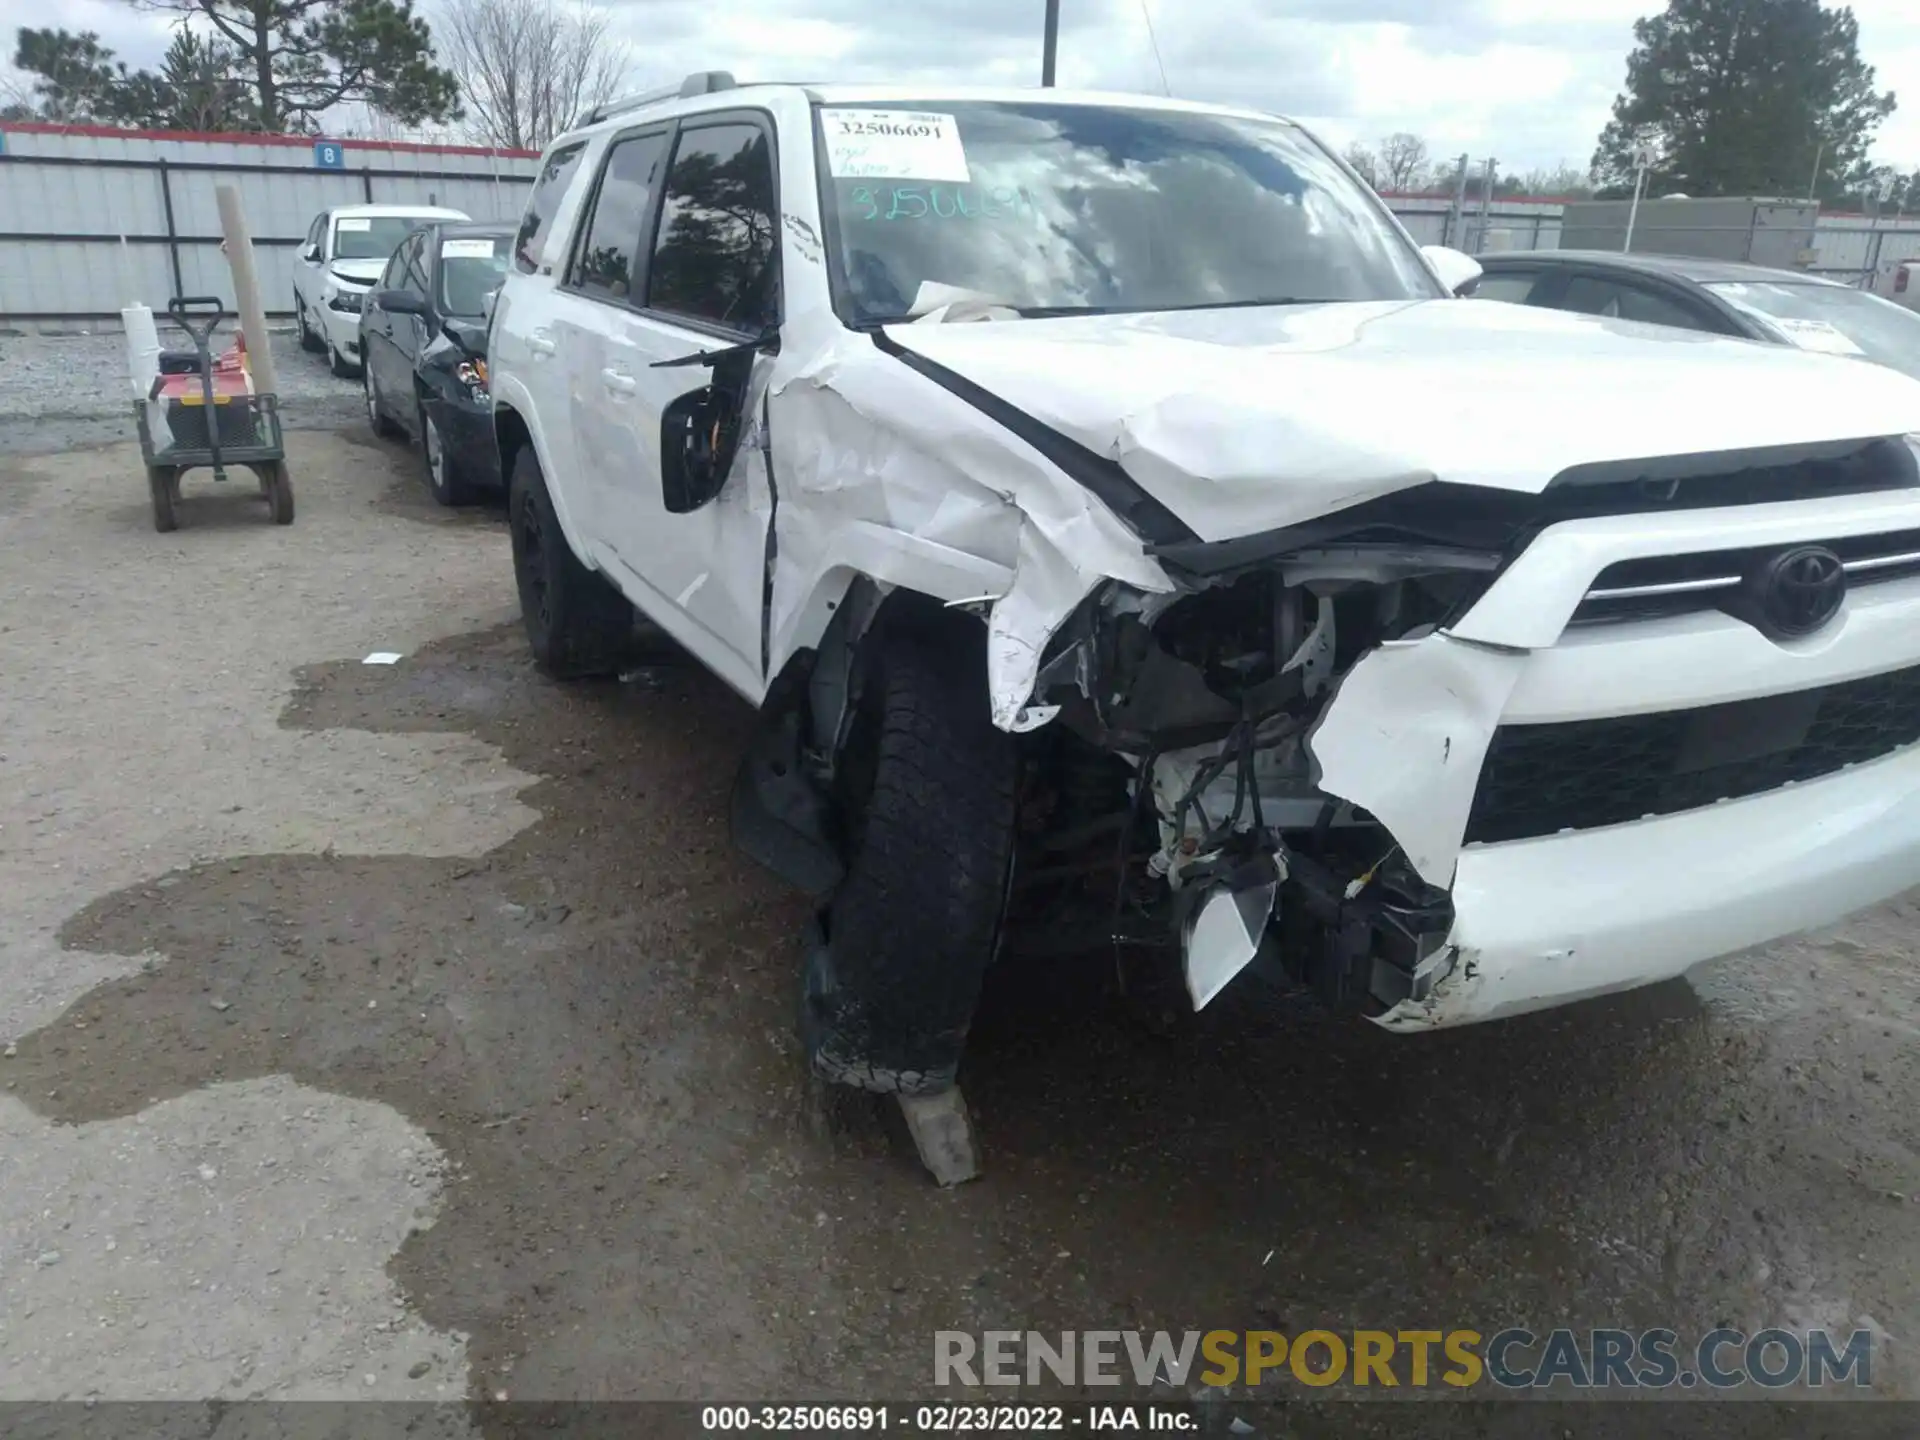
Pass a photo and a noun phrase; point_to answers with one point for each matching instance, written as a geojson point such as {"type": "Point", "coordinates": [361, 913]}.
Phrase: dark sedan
{"type": "Point", "coordinates": [423, 334]}
{"type": "Point", "coordinates": [1777, 307]}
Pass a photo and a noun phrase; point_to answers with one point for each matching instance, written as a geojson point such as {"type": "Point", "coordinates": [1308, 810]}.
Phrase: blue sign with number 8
{"type": "Point", "coordinates": [329, 155]}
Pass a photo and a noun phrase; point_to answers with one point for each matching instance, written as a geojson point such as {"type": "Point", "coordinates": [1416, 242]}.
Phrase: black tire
{"type": "Point", "coordinates": [342, 367]}
{"type": "Point", "coordinates": [278, 483]}
{"type": "Point", "coordinates": [162, 482]}
{"type": "Point", "coordinates": [377, 417]}
{"type": "Point", "coordinates": [578, 625]}
{"type": "Point", "coordinates": [309, 342]}
{"type": "Point", "coordinates": [893, 979]}
{"type": "Point", "coordinates": [445, 480]}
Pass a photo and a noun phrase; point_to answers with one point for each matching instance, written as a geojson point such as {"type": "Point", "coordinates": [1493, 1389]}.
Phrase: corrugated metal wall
{"type": "Point", "coordinates": [85, 224]}
{"type": "Point", "coordinates": [91, 220]}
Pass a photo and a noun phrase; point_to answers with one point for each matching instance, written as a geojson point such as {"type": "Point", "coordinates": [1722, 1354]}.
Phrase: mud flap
{"type": "Point", "coordinates": [779, 816]}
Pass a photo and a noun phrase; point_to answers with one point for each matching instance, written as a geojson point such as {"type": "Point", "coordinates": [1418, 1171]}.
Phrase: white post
{"type": "Point", "coordinates": [246, 290]}
{"type": "Point", "coordinates": [1633, 210]}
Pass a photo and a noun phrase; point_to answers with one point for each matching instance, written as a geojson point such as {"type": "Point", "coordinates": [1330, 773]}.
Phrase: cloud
{"type": "Point", "coordinates": [1530, 81]}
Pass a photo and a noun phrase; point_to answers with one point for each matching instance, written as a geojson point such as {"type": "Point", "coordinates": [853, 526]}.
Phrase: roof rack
{"type": "Point", "coordinates": [701, 82]}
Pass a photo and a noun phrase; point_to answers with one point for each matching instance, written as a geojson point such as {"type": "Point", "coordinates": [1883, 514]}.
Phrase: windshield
{"type": "Point", "coordinates": [1833, 319]}
{"type": "Point", "coordinates": [1064, 209]}
{"type": "Point", "coordinates": [372, 237]}
{"type": "Point", "coordinates": [472, 267]}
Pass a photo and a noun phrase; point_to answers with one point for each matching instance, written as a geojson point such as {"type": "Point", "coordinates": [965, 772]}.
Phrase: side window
{"type": "Point", "coordinates": [317, 231]}
{"type": "Point", "coordinates": [555, 175]}
{"type": "Point", "coordinates": [605, 264]}
{"type": "Point", "coordinates": [390, 277]}
{"type": "Point", "coordinates": [717, 257]}
{"type": "Point", "coordinates": [1590, 295]}
{"type": "Point", "coordinates": [413, 265]}
{"type": "Point", "coordinates": [1512, 286]}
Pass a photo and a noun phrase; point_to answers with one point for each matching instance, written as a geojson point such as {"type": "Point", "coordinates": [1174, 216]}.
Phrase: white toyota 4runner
{"type": "Point", "coordinates": [1128, 538]}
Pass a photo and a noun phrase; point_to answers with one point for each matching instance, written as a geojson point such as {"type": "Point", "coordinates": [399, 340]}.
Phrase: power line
{"type": "Point", "coordinates": [1146, 14]}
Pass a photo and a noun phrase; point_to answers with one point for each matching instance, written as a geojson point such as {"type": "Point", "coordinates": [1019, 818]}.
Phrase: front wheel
{"type": "Point", "coordinates": [577, 624]}
{"type": "Point", "coordinates": [894, 973]}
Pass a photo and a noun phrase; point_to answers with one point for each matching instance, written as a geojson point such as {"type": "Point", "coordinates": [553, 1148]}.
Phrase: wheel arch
{"type": "Point", "coordinates": [511, 434]}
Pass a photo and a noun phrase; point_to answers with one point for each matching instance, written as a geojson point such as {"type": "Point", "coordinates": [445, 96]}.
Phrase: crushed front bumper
{"type": "Point", "coordinates": [1546, 921]}
{"type": "Point", "coordinates": [1701, 788]}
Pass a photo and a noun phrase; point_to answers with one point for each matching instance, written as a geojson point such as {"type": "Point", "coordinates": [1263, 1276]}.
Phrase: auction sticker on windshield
{"type": "Point", "coordinates": [1816, 335]}
{"type": "Point", "coordinates": [894, 144]}
{"type": "Point", "coordinates": [352, 224]}
{"type": "Point", "coordinates": [468, 250]}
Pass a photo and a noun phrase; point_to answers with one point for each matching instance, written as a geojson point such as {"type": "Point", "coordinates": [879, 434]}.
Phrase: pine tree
{"type": "Point", "coordinates": [1744, 97]}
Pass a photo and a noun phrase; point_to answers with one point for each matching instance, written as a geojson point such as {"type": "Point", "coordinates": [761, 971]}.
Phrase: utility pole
{"type": "Point", "coordinates": [1051, 49]}
{"type": "Point", "coordinates": [1454, 232]}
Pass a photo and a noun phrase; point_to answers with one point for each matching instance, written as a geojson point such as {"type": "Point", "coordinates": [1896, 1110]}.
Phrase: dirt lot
{"type": "Point", "coordinates": [415, 1032]}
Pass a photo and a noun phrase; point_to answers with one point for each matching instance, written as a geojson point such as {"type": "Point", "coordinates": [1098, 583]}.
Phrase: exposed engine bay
{"type": "Point", "coordinates": [1175, 797]}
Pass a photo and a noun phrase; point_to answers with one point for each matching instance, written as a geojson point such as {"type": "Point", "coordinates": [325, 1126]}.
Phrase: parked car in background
{"type": "Point", "coordinates": [1778, 307]}
{"type": "Point", "coordinates": [1900, 283]}
{"type": "Point", "coordinates": [423, 339]}
{"type": "Point", "coordinates": [345, 250]}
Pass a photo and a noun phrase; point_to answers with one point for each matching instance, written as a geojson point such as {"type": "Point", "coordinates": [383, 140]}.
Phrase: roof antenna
{"type": "Point", "coordinates": [1146, 14]}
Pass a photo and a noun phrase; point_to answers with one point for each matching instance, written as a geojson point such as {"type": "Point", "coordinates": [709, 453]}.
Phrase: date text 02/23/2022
{"type": "Point", "coordinates": [944, 1419]}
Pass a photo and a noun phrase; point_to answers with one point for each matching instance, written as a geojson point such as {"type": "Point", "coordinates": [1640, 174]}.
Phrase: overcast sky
{"type": "Point", "coordinates": [1529, 81]}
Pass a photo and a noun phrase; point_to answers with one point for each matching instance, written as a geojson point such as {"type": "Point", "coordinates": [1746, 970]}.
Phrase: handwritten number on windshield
{"type": "Point", "coordinates": [940, 202]}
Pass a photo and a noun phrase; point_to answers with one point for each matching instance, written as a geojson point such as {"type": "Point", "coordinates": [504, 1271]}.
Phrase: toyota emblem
{"type": "Point", "coordinates": [1795, 592]}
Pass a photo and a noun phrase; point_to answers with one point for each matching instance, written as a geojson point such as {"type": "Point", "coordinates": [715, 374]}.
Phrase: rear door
{"type": "Point", "coordinates": [602, 281]}
{"type": "Point", "coordinates": [524, 340]}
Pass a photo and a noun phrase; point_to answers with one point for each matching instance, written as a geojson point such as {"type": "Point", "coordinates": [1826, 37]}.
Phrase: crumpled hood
{"type": "Point", "coordinates": [358, 272]}
{"type": "Point", "coordinates": [1246, 420]}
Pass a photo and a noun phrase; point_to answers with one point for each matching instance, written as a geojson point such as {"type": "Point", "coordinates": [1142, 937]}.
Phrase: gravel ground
{"type": "Point", "coordinates": [74, 391]}
{"type": "Point", "coordinates": [412, 1031]}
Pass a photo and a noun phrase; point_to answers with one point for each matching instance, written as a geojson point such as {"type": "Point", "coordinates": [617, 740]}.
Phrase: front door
{"type": "Point", "coordinates": [711, 280]}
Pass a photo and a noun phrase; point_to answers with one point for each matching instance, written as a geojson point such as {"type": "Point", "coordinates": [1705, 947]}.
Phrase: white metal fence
{"type": "Point", "coordinates": [92, 219]}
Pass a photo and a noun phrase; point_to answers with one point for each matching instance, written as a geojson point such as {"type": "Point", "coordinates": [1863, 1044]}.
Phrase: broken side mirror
{"type": "Point", "coordinates": [311, 254]}
{"type": "Point", "coordinates": [700, 434]}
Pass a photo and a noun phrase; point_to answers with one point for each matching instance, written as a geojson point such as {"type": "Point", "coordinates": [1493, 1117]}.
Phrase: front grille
{"type": "Point", "coordinates": [1663, 585]}
{"type": "Point", "coordinates": [1581, 774]}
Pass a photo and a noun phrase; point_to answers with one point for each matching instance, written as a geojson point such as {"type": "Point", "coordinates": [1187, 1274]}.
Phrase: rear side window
{"type": "Point", "coordinates": [1590, 295]}
{"type": "Point", "coordinates": [716, 258]}
{"type": "Point", "coordinates": [605, 265]}
{"type": "Point", "coordinates": [1510, 285]}
{"type": "Point", "coordinates": [555, 176]}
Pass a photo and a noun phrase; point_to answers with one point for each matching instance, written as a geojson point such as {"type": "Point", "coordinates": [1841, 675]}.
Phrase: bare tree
{"type": "Point", "coordinates": [527, 68]}
{"type": "Point", "coordinates": [1561, 181]}
{"type": "Point", "coordinates": [1403, 162]}
{"type": "Point", "coordinates": [1365, 162]}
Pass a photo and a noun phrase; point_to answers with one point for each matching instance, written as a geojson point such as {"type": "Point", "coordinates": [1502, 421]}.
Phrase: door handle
{"type": "Point", "coordinates": [540, 344]}
{"type": "Point", "coordinates": [617, 383]}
